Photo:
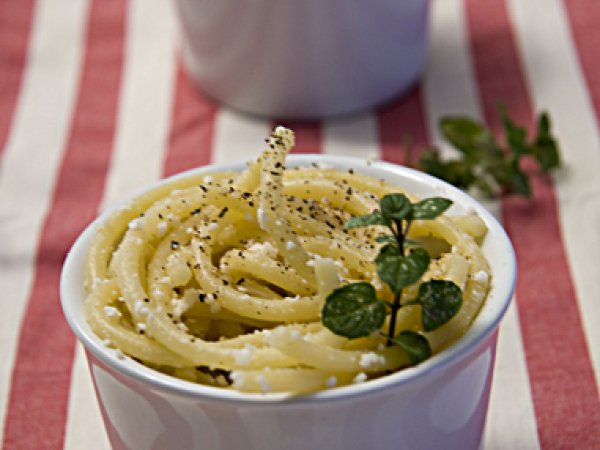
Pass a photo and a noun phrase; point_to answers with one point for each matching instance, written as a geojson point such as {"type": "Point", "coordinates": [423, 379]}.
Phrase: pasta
{"type": "Point", "coordinates": [220, 279]}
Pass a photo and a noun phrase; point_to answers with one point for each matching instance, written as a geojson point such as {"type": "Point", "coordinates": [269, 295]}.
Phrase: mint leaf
{"type": "Point", "coordinates": [458, 172]}
{"type": "Point", "coordinates": [430, 208]}
{"type": "Point", "coordinates": [395, 207]}
{"type": "Point", "coordinates": [399, 271]}
{"type": "Point", "coordinates": [516, 136]}
{"type": "Point", "coordinates": [517, 181]}
{"type": "Point", "coordinates": [353, 311]}
{"type": "Point", "coordinates": [386, 238]}
{"type": "Point", "coordinates": [545, 148]}
{"type": "Point", "coordinates": [389, 239]}
{"type": "Point", "coordinates": [414, 344]}
{"type": "Point", "coordinates": [440, 300]}
{"type": "Point", "coordinates": [468, 136]}
{"type": "Point", "coordinates": [375, 218]}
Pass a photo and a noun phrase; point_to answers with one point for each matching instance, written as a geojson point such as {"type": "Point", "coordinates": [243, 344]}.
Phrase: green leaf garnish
{"type": "Point", "coordinates": [414, 344]}
{"type": "Point", "coordinates": [386, 239]}
{"type": "Point", "coordinates": [399, 271]}
{"type": "Point", "coordinates": [517, 181]}
{"type": "Point", "coordinates": [395, 207]}
{"type": "Point", "coordinates": [440, 300]}
{"type": "Point", "coordinates": [389, 239]}
{"type": "Point", "coordinates": [468, 136]}
{"type": "Point", "coordinates": [375, 218]}
{"type": "Point", "coordinates": [353, 311]}
{"type": "Point", "coordinates": [484, 163]}
{"type": "Point", "coordinates": [430, 208]}
{"type": "Point", "coordinates": [516, 136]}
{"type": "Point", "coordinates": [545, 148]}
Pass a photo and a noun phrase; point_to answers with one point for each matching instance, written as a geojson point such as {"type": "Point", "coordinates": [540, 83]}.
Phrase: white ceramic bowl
{"type": "Point", "coordinates": [303, 59]}
{"type": "Point", "coordinates": [441, 403]}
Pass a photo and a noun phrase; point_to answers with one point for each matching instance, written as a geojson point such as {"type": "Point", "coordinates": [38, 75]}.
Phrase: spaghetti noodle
{"type": "Point", "coordinates": [220, 279]}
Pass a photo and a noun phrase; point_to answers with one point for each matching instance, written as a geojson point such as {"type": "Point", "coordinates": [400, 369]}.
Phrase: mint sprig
{"type": "Point", "coordinates": [485, 163]}
{"type": "Point", "coordinates": [355, 311]}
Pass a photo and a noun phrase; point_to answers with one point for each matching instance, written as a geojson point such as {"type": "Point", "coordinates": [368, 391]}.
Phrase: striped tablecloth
{"type": "Point", "coordinates": [94, 104]}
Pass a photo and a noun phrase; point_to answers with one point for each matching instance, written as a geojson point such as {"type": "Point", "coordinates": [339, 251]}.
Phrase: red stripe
{"type": "Point", "coordinates": [192, 127]}
{"type": "Point", "coordinates": [16, 17]}
{"type": "Point", "coordinates": [37, 408]}
{"type": "Point", "coordinates": [402, 128]}
{"type": "Point", "coordinates": [565, 396]}
{"type": "Point", "coordinates": [584, 18]}
{"type": "Point", "coordinates": [308, 135]}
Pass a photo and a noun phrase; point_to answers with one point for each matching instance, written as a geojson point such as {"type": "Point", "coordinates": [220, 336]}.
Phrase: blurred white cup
{"type": "Point", "coordinates": [303, 58]}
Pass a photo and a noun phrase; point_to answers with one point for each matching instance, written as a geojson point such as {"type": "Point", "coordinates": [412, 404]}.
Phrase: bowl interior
{"type": "Point", "coordinates": [497, 249]}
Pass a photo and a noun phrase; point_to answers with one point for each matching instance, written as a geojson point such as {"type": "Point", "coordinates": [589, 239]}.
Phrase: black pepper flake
{"type": "Point", "coordinates": [240, 281]}
{"type": "Point", "coordinates": [195, 211]}
{"type": "Point", "coordinates": [223, 212]}
{"type": "Point", "coordinates": [203, 188]}
{"type": "Point", "coordinates": [251, 204]}
{"type": "Point", "coordinates": [202, 297]}
{"type": "Point", "coordinates": [177, 290]}
{"type": "Point", "coordinates": [225, 283]}
{"type": "Point", "coordinates": [275, 173]}
{"type": "Point", "coordinates": [160, 216]}
{"type": "Point", "coordinates": [246, 195]}
{"type": "Point", "coordinates": [174, 245]}
{"type": "Point", "coordinates": [170, 315]}
{"type": "Point", "coordinates": [147, 300]}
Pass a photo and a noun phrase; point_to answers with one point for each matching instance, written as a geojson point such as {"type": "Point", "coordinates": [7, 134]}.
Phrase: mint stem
{"type": "Point", "coordinates": [394, 314]}
{"type": "Point", "coordinates": [400, 235]}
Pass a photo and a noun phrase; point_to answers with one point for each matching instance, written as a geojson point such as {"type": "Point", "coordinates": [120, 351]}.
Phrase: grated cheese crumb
{"type": "Point", "coordinates": [359, 378]}
{"type": "Point", "coordinates": [136, 224]}
{"type": "Point", "coordinates": [481, 276]}
{"type": "Point", "coordinates": [161, 227]}
{"type": "Point", "coordinates": [264, 384]}
{"type": "Point", "coordinates": [237, 378]}
{"type": "Point", "coordinates": [331, 382]}
{"type": "Point", "coordinates": [111, 311]}
{"type": "Point", "coordinates": [368, 359]}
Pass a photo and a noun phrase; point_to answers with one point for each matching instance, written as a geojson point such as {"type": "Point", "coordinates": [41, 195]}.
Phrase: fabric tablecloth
{"type": "Point", "coordinates": [95, 104]}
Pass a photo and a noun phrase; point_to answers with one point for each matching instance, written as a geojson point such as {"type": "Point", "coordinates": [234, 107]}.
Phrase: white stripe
{"type": "Point", "coordinates": [450, 88]}
{"type": "Point", "coordinates": [238, 137]}
{"type": "Point", "coordinates": [142, 128]}
{"type": "Point", "coordinates": [511, 420]}
{"type": "Point", "coordinates": [557, 85]}
{"type": "Point", "coordinates": [32, 156]}
{"type": "Point", "coordinates": [352, 136]}
{"type": "Point", "coordinates": [145, 104]}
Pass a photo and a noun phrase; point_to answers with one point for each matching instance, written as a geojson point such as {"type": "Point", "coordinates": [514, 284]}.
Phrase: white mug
{"type": "Point", "coordinates": [303, 59]}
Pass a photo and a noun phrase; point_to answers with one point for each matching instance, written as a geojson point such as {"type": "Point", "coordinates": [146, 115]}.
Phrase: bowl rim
{"type": "Point", "coordinates": [484, 325]}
